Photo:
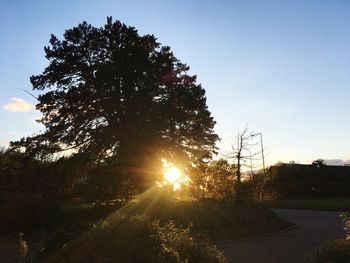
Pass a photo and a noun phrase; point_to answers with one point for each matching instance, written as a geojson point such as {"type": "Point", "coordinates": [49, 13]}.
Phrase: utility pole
{"type": "Point", "coordinates": [262, 148]}
{"type": "Point", "coordinates": [263, 159]}
{"type": "Point", "coordinates": [238, 171]}
{"type": "Point", "coordinates": [251, 163]}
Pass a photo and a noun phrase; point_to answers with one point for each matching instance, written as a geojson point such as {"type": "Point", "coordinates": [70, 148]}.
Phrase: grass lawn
{"type": "Point", "coordinates": [219, 220]}
{"type": "Point", "coordinates": [335, 204]}
{"type": "Point", "coordinates": [99, 226]}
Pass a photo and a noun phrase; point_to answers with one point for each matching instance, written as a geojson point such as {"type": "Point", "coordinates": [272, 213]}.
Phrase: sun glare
{"type": "Point", "coordinates": [172, 174]}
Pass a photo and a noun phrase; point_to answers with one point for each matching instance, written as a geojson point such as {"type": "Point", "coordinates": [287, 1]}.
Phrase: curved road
{"type": "Point", "coordinates": [314, 228]}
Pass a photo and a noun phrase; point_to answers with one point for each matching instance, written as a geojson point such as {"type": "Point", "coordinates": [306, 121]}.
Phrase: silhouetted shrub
{"type": "Point", "coordinates": [335, 251]}
{"type": "Point", "coordinates": [26, 211]}
{"type": "Point", "coordinates": [137, 239]}
{"type": "Point", "coordinates": [214, 179]}
{"type": "Point", "coordinates": [104, 184]}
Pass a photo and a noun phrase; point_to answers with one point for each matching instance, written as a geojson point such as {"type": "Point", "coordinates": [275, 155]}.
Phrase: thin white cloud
{"type": "Point", "coordinates": [18, 105]}
{"type": "Point", "coordinates": [337, 162]}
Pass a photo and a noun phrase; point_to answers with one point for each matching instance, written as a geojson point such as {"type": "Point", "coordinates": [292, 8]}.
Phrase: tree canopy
{"type": "Point", "coordinates": [112, 95]}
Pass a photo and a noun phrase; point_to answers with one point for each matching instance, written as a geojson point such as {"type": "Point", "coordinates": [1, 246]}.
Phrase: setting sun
{"type": "Point", "coordinates": [172, 174]}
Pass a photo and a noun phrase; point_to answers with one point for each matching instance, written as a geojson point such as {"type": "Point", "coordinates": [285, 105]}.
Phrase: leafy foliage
{"type": "Point", "coordinates": [346, 220]}
{"type": "Point", "coordinates": [25, 211]}
{"type": "Point", "coordinates": [335, 251]}
{"type": "Point", "coordinates": [18, 170]}
{"type": "Point", "coordinates": [214, 179]}
{"type": "Point", "coordinates": [219, 219]}
{"type": "Point", "coordinates": [103, 184]}
{"type": "Point", "coordinates": [137, 239]}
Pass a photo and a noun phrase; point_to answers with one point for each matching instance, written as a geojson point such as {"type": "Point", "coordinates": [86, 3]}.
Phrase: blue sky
{"type": "Point", "coordinates": [280, 67]}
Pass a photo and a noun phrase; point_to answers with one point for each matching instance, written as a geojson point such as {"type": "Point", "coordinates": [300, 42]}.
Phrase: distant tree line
{"type": "Point", "coordinates": [308, 180]}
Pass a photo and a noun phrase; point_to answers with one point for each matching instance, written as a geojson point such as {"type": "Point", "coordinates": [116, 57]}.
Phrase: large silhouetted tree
{"type": "Point", "coordinates": [112, 95]}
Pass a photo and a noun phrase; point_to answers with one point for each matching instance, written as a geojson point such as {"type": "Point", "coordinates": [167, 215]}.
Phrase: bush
{"type": "Point", "coordinates": [215, 179]}
{"type": "Point", "coordinates": [137, 239]}
{"type": "Point", "coordinates": [335, 251]}
{"type": "Point", "coordinates": [220, 220]}
{"type": "Point", "coordinates": [28, 212]}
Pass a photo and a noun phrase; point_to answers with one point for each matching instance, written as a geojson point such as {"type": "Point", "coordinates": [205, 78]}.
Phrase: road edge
{"type": "Point", "coordinates": [295, 225]}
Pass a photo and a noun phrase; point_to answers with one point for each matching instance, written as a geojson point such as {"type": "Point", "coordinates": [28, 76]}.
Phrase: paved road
{"type": "Point", "coordinates": [314, 228]}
